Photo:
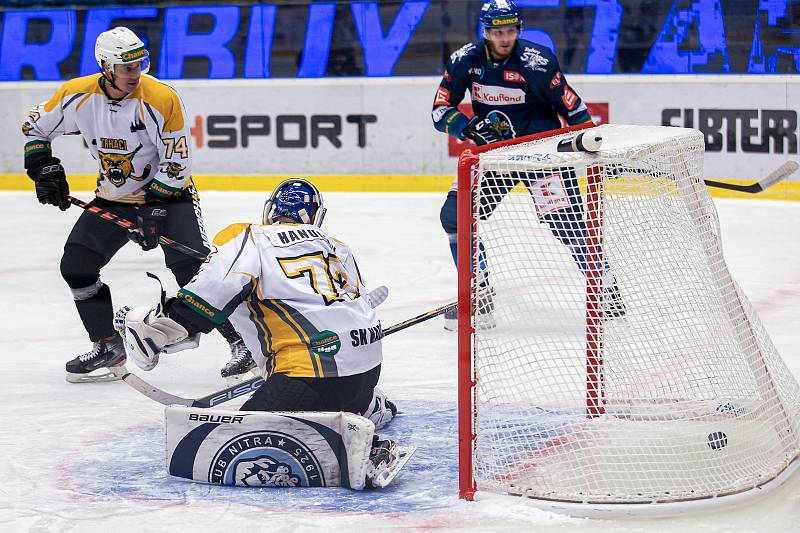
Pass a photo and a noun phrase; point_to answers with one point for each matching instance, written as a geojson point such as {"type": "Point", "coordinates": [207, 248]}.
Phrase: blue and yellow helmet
{"type": "Point", "coordinates": [499, 13]}
{"type": "Point", "coordinates": [295, 199]}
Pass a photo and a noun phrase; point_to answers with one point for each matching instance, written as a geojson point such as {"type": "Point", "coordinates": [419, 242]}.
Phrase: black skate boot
{"type": "Point", "coordinates": [613, 304]}
{"type": "Point", "coordinates": [107, 354]}
{"type": "Point", "coordinates": [241, 361]}
{"type": "Point", "coordinates": [382, 454]}
{"type": "Point", "coordinates": [386, 459]}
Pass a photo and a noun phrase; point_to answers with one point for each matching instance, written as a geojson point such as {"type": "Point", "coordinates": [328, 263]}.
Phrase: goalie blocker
{"type": "Point", "coordinates": [269, 449]}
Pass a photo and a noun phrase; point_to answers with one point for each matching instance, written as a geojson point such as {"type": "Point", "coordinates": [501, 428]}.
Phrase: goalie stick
{"type": "Point", "coordinates": [246, 387]}
{"type": "Point", "coordinates": [128, 225]}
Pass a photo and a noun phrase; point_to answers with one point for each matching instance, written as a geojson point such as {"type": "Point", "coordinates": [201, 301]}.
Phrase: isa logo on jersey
{"type": "Point", "coordinates": [491, 94]}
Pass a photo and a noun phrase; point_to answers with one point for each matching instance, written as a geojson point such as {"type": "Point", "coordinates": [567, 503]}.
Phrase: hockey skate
{"type": "Point", "coordinates": [484, 319]}
{"type": "Point", "coordinates": [240, 364]}
{"type": "Point", "coordinates": [386, 459]}
{"type": "Point", "coordinates": [613, 305]}
{"type": "Point", "coordinates": [106, 354]}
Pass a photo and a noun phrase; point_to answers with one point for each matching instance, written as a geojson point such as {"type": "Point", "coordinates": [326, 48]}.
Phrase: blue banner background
{"type": "Point", "coordinates": [396, 38]}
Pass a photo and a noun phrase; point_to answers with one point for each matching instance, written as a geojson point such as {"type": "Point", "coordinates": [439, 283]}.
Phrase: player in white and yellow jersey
{"type": "Point", "coordinates": [136, 129]}
{"type": "Point", "coordinates": [298, 299]}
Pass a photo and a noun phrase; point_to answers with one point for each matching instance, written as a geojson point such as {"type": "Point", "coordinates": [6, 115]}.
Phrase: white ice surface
{"type": "Point", "coordinates": [90, 457]}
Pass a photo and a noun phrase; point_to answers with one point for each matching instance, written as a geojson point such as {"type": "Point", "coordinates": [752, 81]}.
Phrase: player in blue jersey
{"type": "Point", "coordinates": [517, 89]}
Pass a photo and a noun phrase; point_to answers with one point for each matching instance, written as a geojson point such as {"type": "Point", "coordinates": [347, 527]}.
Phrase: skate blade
{"type": "Point", "coordinates": [113, 373]}
{"type": "Point", "coordinates": [239, 378]}
{"type": "Point", "coordinates": [383, 479]}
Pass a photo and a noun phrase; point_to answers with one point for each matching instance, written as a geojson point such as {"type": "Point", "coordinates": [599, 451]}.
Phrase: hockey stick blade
{"type": "Point", "coordinates": [246, 387]}
{"type": "Point", "coordinates": [378, 295]}
{"type": "Point", "coordinates": [776, 176]}
{"type": "Point", "coordinates": [155, 393]}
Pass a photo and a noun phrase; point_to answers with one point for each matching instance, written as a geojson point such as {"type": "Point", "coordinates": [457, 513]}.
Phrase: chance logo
{"type": "Point", "coordinates": [268, 459]}
{"type": "Point", "coordinates": [326, 343]}
{"type": "Point", "coordinates": [491, 94]}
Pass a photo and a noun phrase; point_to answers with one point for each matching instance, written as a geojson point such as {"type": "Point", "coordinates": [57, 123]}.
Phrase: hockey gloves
{"type": "Point", "coordinates": [147, 331]}
{"type": "Point", "coordinates": [51, 182]}
{"type": "Point", "coordinates": [151, 219]}
{"type": "Point", "coordinates": [480, 131]}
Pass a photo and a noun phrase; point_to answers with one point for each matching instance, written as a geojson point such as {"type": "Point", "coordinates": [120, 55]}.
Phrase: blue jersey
{"type": "Point", "coordinates": [521, 95]}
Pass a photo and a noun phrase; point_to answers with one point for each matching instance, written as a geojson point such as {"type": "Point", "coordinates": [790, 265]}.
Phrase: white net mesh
{"type": "Point", "coordinates": [616, 360]}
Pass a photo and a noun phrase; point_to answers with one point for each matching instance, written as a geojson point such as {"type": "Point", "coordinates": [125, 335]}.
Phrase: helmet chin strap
{"type": "Point", "coordinates": [112, 80]}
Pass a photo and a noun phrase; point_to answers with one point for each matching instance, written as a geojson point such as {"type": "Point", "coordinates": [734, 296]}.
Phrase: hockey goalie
{"type": "Point", "coordinates": [297, 298]}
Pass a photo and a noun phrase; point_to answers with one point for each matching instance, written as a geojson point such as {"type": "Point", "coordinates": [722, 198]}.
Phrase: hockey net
{"type": "Point", "coordinates": [606, 355]}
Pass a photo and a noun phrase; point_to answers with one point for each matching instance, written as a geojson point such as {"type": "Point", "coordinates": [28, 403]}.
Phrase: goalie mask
{"type": "Point", "coordinates": [295, 199]}
{"type": "Point", "coordinates": [120, 46]}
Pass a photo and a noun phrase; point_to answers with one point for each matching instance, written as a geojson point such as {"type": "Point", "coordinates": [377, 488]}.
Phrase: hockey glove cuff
{"type": "Point", "coordinates": [480, 131]}
{"type": "Point", "coordinates": [51, 182]}
{"type": "Point", "coordinates": [151, 220]}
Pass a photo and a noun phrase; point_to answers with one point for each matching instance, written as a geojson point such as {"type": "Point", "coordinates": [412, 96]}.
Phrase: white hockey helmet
{"type": "Point", "coordinates": [296, 199]}
{"type": "Point", "coordinates": [118, 47]}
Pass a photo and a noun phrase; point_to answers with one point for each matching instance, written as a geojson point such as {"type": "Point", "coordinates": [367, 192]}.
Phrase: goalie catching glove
{"type": "Point", "coordinates": [147, 332]}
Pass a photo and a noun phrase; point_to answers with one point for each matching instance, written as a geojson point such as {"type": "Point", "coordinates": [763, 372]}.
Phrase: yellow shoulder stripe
{"type": "Point", "coordinates": [84, 84]}
{"type": "Point", "coordinates": [231, 232]}
{"type": "Point", "coordinates": [164, 99]}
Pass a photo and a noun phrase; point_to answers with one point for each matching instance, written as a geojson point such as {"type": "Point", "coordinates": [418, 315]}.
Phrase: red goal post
{"type": "Point", "coordinates": [680, 401]}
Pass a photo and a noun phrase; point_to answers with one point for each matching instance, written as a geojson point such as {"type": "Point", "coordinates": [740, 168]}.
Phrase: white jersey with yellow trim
{"type": "Point", "coordinates": [140, 141]}
{"type": "Point", "coordinates": [296, 297]}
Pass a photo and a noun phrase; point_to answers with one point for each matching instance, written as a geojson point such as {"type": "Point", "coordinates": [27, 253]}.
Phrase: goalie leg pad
{"type": "Point", "coordinates": [268, 449]}
{"type": "Point", "coordinates": [147, 332]}
{"type": "Point", "coordinates": [381, 411]}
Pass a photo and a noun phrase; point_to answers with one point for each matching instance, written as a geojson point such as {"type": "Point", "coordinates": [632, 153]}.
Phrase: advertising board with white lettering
{"type": "Point", "coordinates": [384, 126]}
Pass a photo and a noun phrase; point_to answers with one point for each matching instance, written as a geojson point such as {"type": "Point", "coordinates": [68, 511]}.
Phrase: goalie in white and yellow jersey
{"type": "Point", "coordinates": [136, 129]}
{"type": "Point", "coordinates": [298, 299]}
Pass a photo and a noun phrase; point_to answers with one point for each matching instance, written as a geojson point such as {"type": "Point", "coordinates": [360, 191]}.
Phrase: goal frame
{"type": "Point", "coordinates": [466, 277]}
{"type": "Point", "coordinates": [467, 379]}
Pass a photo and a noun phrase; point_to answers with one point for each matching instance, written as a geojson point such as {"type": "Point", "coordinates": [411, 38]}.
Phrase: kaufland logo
{"type": "Point", "coordinates": [491, 94]}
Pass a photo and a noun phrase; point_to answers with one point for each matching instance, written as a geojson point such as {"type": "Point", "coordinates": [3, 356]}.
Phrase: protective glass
{"type": "Point", "coordinates": [133, 68]}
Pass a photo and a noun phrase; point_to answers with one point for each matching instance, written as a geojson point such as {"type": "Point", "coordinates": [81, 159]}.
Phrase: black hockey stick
{"type": "Point", "coordinates": [778, 175]}
{"type": "Point", "coordinates": [246, 387]}
{"type": "Point", "coordinates": [127, 224]}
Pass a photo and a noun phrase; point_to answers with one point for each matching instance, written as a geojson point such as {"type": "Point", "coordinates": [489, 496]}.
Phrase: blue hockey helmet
{"type": "Point", "coordinates": [296, 199]}
{"type": "Point", "coordinates": [498, 13]}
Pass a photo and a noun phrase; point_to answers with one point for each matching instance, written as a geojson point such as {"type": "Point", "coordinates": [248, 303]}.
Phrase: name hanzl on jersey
{"type": "Point", "coordinates": [533, 59]}
{"type": "Point", "coordinates": [290, 236]}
